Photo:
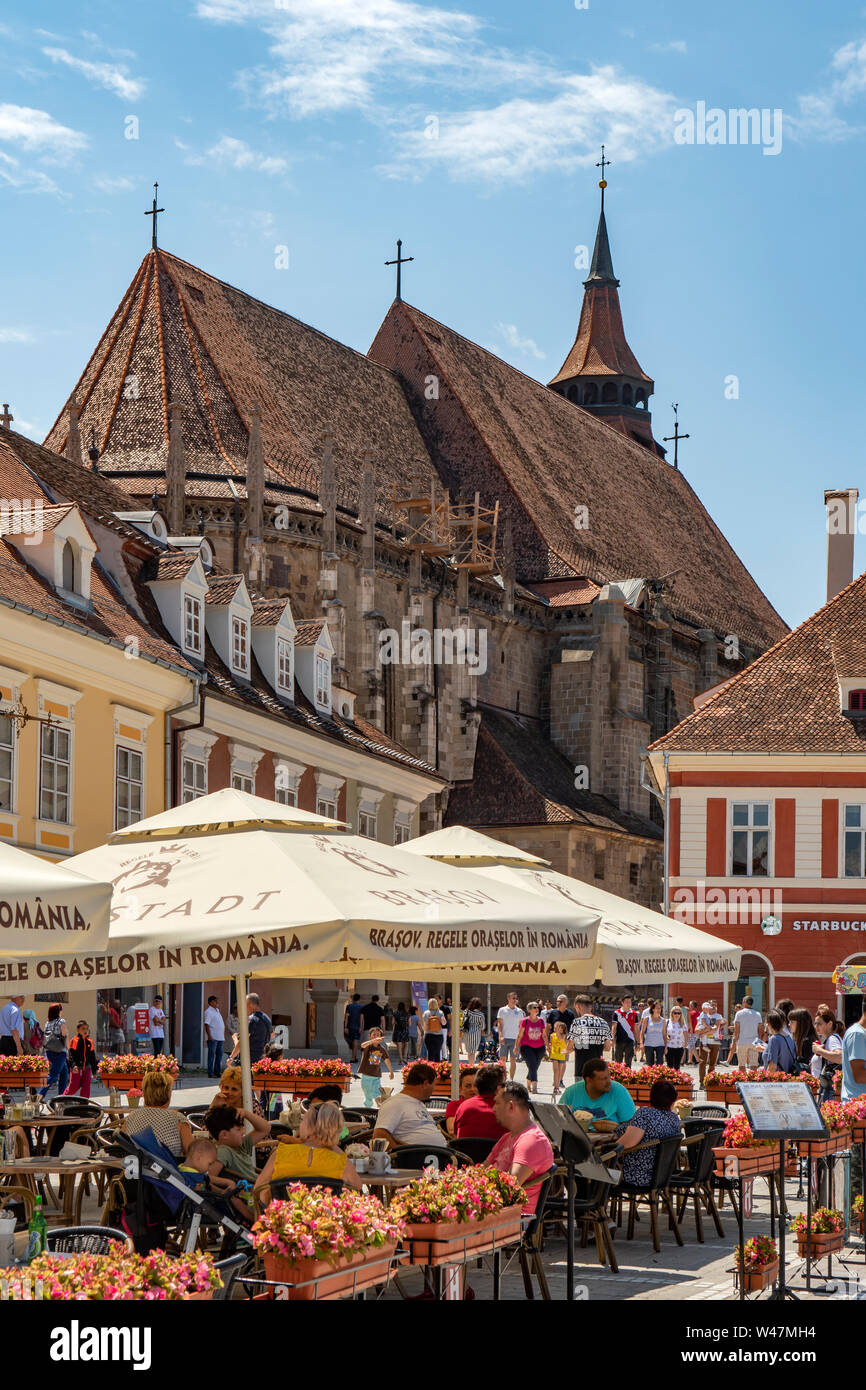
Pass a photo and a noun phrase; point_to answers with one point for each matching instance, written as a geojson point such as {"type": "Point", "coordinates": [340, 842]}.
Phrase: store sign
{"type": "Point", "coordinates": [850, 979]}
{"type": "Point", "coordinates": [830, 924]}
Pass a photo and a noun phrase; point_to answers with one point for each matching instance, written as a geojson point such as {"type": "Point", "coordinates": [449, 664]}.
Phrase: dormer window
{"type": "Point", "coordinates": [240, 645]}
{"type": "Point", "coordinates": [68, 572]}
{"type": "Point", "coordinates": [857, 701]}
{"type": "Point", "coordinates": [285, 665]}
{"type": "Point", "coordinates": [192, 624]}
{"type": "Point", "coordinates": [323, 681]}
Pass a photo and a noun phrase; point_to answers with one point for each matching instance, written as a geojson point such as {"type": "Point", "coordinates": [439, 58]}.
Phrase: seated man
{"type": "Point", "coordinates": [475, 1118]}
{"type": "Point", "coordinates": [524, 1151]}
{"type": "Point", "coordinates": [405, 1119]}
{"type": "Point", "coordinates": [235, 1148]}
{"type": "Point", "coordinates": [606, 1100]}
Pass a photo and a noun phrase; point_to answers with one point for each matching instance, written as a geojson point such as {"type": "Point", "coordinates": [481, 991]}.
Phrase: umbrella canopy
{"type": "Point", "coordinates": [633, 942]}
{"type": "Point", "coordinates": [231, 884]}
{"type": "Point", "coordinates": [48, 908]}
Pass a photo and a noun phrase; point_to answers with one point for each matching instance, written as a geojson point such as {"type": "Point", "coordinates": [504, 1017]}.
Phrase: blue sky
{"type": "Point", "coordinates": [330, 127]}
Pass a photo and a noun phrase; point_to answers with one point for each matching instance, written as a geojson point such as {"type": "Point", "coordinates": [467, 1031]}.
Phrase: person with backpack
{"type": "Point", "coordinates": [434, 1029]}
{"type": "Point", "coordinates": [780, 1053]}
{"type": "Point", "coordinates": [34, 1037]}
{"type": "Point", "coordinates": [56, 1036]}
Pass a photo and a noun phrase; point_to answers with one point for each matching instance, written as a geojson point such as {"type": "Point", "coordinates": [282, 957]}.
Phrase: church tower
{"type": "Point", "coordinates": [601, 373]}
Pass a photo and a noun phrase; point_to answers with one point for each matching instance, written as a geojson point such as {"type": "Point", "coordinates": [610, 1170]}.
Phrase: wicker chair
{"type": "Point", "coordinates": [86, 1240]}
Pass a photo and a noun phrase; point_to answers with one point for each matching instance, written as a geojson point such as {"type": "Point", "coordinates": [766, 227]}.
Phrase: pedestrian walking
{"type": "Point", "coordinates": [707, 1031]}
{"type": "Point", "coordinates": [677, 1035]}
{"type": "Point", "coordinates": [353, 1020]}
{"type": "Point", "coordinates": [414, 1036]}
{"type": "Point", "coordinates": [471, 1029]}
{"type": "Point", "coordinates": [12, 1027]}
{"type": "Point", "coordinates": [748, 1032]}
{"type": "Point", "coordinates": [374, 1055]}
{"type": "Point", "coordinates": [434, 1029]}
{"type": "Point", "coordinates": [56, 1041]}
{"type": "Point", "coordinates": [373, 1014]}
{"type": "Point", "coordinates": [400, 1032]}
{"type": "Point", "coordinates": [625, 1032]}
{"type": "Point", "coordinates": [556, 1046]}
{"type": "Point", "coordinates": [653, 1037]}
{"type": "Point", "coordinates": [215, 1033]}
{"type": "Point", "coordinates": [508, 1020]}
{"type": "Point", "coordinates": [694, 1014]}
{"type": "Point", "coordinates": [157, 1025]}
{"type": "Point", "coordinates": [588, 1036]}
{"type": "Point", "coordinates": [530, 1040]}
{"type": "Point", "coordinates": [82, 1061]}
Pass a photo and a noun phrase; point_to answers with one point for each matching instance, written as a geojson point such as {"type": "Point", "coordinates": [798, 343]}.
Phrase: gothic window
{"type": "Point", "coordinates": [626, 394]}
{"type": "Point", "coordinates": [590, 394]}
{"type": "Point", "coordinates": [69, 567]}
{"type": "Point", "coordinates": [609, 393]}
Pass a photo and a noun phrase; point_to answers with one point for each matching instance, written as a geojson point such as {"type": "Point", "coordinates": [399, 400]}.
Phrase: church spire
{"type": "Point", "coordinates": [601, 373]}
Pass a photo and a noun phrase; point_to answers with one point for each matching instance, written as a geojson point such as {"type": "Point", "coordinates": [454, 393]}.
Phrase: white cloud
{"type": "Point", "coordinates": [525, 136]}
{"type": "Point", "coordinates": [237, 154]}
{"type": "Point", "coordinates": [16, 335]}
{"type": "Point", "coordinates": [674, 46]}
{"type": "Point", "coordinates": [511, 335]}
{"type": "Point", "coordinates": [825, 114]}
{"type": "Point", "coordinates": [107, 183]}
{"type": "Point", "coordinates": [114, 77]}
{"type": "Point", "coordinates": [36, 130]}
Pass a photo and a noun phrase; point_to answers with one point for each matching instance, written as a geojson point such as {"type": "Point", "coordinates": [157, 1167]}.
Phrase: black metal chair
{"type": "Point", "coordinates": [279, 1186]}
{"type": "Point", "coordinates": [654, 1192]}
{"type": "Point", "coordinates": [85, 1240]}
{"type": "Point", "coordinates": [229, 1270]}
{"type": "Point", "coordinates": [709, 1111]}
{"type": "Point", "coordinates": [695, 1182]}
{"type": "Point", "coordinates": [529, 1251]}
{"type": "Point", "coordinates": [75, 1106]}
{"type": "Point", "coordinates": [413, 1156]}
{"type": "Point", "coordinates": [437, 1103]}
{"type": "Point", "coordinates": [363, 1136]}
{"type": "Point", "coordinates": [473, 1147]}
{"type": "Point", "coordinates": [590, 1213]}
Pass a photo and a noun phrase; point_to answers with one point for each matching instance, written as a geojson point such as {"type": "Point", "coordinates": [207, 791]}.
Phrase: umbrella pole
{"type": "Point", "coordinates": [455, 1038]}
{"type": "Point", "coordinates": [244, 1041]}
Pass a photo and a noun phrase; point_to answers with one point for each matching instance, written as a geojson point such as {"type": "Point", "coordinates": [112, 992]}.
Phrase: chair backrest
{"type": "Point", "coordinates": [711, 1111]}
{"type": "Point", "coordinates": [475, 1149]}
{"type": "Point", "coordinates": [543, 1188]}
{"type": "Point", "coordinates": [74, 1105]}
{"type": "Point", "coordinates": [413, 1156]}
{"type": "Point", "coordinates": [279, 1186]}
{"type": "Point", "coordinates": [86, 1240]}
{"type": "Point", "coordinates": [705, 1160]}
{"type": "Point", "coordinates": [437, 1103]}
{"type": "Point", "coordinates": [666, 1155]}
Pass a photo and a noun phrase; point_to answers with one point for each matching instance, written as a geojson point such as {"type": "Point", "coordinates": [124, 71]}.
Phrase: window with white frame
{"type": "Point", "coordinates": [402, 831]}
{"type": "Point", "coordinates": [367, 824]}
{"type": "Point", "coordinates": [241, 783]}
{"type": "Point", "coordinates": [284, 794]}
{"type": "Point", "coordinates": [285, 664]}
{"type": "Point", "coordinates": [855, 841]}
{"type": "Point", "coordinates": [240, 644]}
{"type": "Point", "coordinates": [55, 773]}
{"type": "Point", "coordinates": [323, 680]}
{"type": "Point", "coordinates": [7, 763]}
{"type": "Point", "coordinates": [128, 786]}
{"type": "Point", "coordinates": [326, 805]}
{"type": "Point", "coordinates": [193, 779]}
{"type": "Point", "coordinates": [750, 838]}
{"type": "Point", "coordinates": [192, 622]}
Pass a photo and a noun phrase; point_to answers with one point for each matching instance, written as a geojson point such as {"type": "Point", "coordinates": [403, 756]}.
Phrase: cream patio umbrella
{"type": "Point", "coordinates": [232, 884]}
{"type": "Point", "coordinates": [45, 908]}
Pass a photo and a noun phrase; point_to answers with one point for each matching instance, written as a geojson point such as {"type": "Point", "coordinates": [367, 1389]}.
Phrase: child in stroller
{"type": "Point", "coordinates": [201, 1156]}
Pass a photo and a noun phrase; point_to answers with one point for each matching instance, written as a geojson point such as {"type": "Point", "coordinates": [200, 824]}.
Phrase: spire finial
{"type": "Point", "coordinates": [153, 212]}
{"type": "Point", "coordinates": [602, 164]}
{"type": "Point", "coordinates": [676, 436]}
{"type": "Point", "coordinates": [399, 263]}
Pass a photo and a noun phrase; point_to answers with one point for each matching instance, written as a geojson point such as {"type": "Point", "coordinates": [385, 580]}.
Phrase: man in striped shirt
{"type": "Point", "coordinates": [587, 1037]}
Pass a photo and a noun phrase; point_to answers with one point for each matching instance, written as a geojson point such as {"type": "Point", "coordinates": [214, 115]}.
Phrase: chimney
{"type": "Point", "coordinates": [73, 439]}
{"type": "Point", "coordinates": [841, 506]}
{"type": "Point", "coordinates": [175, 473]}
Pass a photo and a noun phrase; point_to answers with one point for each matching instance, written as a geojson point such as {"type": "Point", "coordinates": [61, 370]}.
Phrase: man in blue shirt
{"type": "Point", "coordinates": [607, 1101]}
{"type": "Point", "coordinates": [853, 1060]}
{"type": "Point", "coordinates": [12, 1027]}
{"type": "Point", "coordinates": [352, 1021]}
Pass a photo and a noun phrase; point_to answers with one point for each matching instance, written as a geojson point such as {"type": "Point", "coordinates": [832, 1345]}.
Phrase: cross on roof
{"type": "Point", "coordinates": [6, 418]}
{"type": "Point", "coordinates": [152, 212]}
{"type": "Point", "coordinates": [602, 164]}
{"type": "Point", "coordinates": [399, 263]}
{"type": "Point", "coordinates": [676, 437]}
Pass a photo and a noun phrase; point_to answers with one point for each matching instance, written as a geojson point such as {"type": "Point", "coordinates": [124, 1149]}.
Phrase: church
{"type": "Point", "coordinates": [518, 587]}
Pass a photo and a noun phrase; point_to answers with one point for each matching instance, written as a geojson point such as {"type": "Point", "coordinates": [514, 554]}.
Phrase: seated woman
{"type": "Point", "coordinates": [654, 1121]}
{"type": "Point", "coordinates": [231, 1093]}
{"type": "Point", "coordinates": [170, 1127]}
{"type": "Point", "coordinates": [318, 1155]}
{"type": "Point", "coordinates": [467, 1091]}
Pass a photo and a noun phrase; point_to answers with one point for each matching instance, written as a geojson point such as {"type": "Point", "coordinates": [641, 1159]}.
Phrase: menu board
{"type": "Point", "coordinates": [781, 1110]}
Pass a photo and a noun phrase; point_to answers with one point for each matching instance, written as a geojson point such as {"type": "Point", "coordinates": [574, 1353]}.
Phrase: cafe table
{"type": "Point", "coordinates": [68, 1170]}
{"type": "Point", "coordinates": [44, 1125]}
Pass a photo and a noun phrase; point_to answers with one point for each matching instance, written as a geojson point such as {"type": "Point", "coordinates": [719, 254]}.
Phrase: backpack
{"type": "Point", "coordinates": [37, 1037]}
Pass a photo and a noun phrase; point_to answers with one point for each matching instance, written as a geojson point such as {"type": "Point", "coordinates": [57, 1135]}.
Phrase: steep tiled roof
{"type": "Point", "coordinates": [564, 593]}
{"type": "Point", "coordinates": [788, 700]}
{"type": "Point", "coordinates": [268, 611]}
{"type": "Point", "coordinates": [20, 523]}
{"type": "Point", "coordinates": [173, 566]}
{"type": "Point", "coordinates": [221, 588]}
{"type": "Point", "coordinates": [500, 432]}
{"type": "Point", "coordinates": [309, 630]}
{"type": "Point", "coordinates": [520, 779]}
{"type": "Point", "coordinates": [185, 336]}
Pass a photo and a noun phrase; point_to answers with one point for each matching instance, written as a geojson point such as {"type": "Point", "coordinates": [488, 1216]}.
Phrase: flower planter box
{"type": "Point", "coordinates": [858, 1131]}
{"type": "Point", "coordinates": [724, 1095]}
{"type": "Point", "coordinates": [756, 1279]}
{"type": "Point", "coordinates": [821, 1148]}
{"type": "Point", "coordinates": [22, 1080]}
{"type": "Point", "coordinates": [452, 1242]}
{"type": "Point", "coordinates": [817, 1246]}
{"type": "Point", "coordinates": [330, 1281]}
{"type": "Point", "coordinates": [123, 1081]}
{"type": "Point", "coordinates": [749, 1162]}
{"type": "Point", "coordinates": [297, 1085]}
{"type": "Point", "coordinates": [640, 1093]}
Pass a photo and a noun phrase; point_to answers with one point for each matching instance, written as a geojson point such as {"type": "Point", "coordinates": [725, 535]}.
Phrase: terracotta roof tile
{"type": "Point", "coordinates": [20, 523]}
{"type": "Point", "coordinates": [268, 612]}
{"type": "Point", "coordinates": [788, 700]}
{"type": "Point", "coordinates": [563, 593]}
{"type": "Point", "coordinates": [173, 566]}
{"type": "Point", "coordinates": [309, 631]}
{"type": "Point", "coordinates": [222, 588]}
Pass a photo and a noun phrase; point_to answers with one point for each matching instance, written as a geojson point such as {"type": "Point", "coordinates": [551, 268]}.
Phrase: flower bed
{"type": "Point", "coordinates": [299, 1076]}
{"type": "Point", "coordinates": [459, 1213]}
{"type": "Point", "coordinates": [855, 1113]}
{"type": "Point", "coordinates": [126, 1071]}
{"type": "Point", "coordinates": [641, 1081]}
{"type": "Point", "coordinates": [757, 1263]}
{"type": "Point", "coordinates": [721, 1085]}
{"type": "Point", "coordinates": [114, 1278]}
{"type": "Point", "coordinates": [824, 1235]}
{"type": "Point", "coordinates": [741, 1155]}
{"type": "Point", "coordinates": [22, 1071]}
{"type": "Point", "coordinates": [442, 1085]}
{"type": "Point", "coordinates": [330, 1243]}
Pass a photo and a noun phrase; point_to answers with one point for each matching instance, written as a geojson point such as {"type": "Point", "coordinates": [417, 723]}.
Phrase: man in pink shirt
{"type": "Point", "coordinates": [525, 1150]}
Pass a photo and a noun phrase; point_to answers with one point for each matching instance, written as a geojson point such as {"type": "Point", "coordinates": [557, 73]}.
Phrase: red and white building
{"type": "Point", "coordinates": [765, 807]}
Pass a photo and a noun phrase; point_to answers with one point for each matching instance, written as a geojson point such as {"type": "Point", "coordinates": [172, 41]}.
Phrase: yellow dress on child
{"type": "Point", "coordinates": [305, 1161]}
{"type": "Point", "coordinates": [557, 1048]}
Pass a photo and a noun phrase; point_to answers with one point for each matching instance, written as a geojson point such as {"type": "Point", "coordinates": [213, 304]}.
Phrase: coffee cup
{"type": "Point", "coordinates": [379, 1162]}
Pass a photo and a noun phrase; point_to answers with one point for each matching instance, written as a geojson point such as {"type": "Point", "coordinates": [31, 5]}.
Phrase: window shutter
{"type": "Point", "coordinates": [785, 837]}
{"type": "Point", "coordinates": [830, 839]}
{"type": "Point", "coordinates": [717, 836]}
{"type": "Point", "coordinates": [674, 836]}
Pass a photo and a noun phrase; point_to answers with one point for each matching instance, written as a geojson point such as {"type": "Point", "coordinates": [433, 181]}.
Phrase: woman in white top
{"type": "Point", "coordinates": [827, 1052]}
{"type": "Point", "coordinates": [654, 1035]}
{"type": "Point", "coordinates": [677, 1035]}
{"type": "Point", "coordinates": [434, 1030]}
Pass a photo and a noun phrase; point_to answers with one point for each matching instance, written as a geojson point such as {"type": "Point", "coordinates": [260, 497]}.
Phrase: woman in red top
{"type": "Point", "coordinates": [530, 1041]}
